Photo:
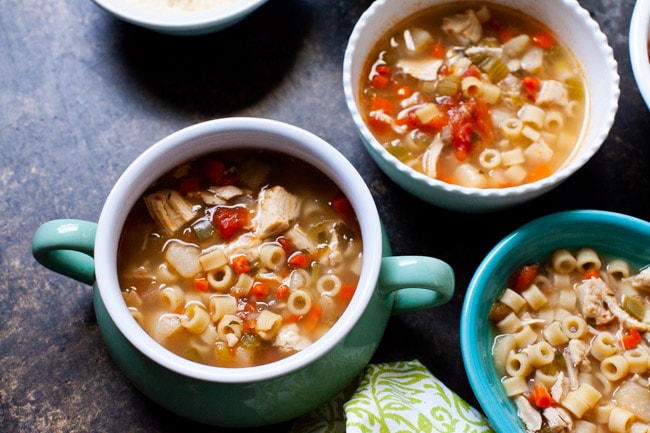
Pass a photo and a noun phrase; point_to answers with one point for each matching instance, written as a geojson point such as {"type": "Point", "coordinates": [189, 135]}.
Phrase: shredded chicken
{"type": "Point", "coordinates": [592, 295]}
{"type": "Point", "coordinates": [558, 419]}
{"type": "Point", "coordinates": [531, 418]}
{"type": "Point", "coordinates": [276, 209]}
{"type": "Point", "coordinates": [421, 69]}
{"type": "Point", "coordinates": [431, 156]}
{"type": "Point", "coordinates": [170, 209]}
{"type": "Point", "coordinates": [641, 281]}
{"type": "Point", "coordinates": [552, 92]}
{"type": "Point", "coordinates": [463, 28]}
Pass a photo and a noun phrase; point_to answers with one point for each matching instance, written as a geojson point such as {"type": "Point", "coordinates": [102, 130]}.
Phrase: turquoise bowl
{"type": "Point", "coordinates": [611, 234]}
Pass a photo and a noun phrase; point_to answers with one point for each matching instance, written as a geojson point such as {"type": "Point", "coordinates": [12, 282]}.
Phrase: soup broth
{"type": "Point", "coordinates": [240, 258]}
{"type": "Point", "coordinates": [572, 343]}
{"type": "Point", "coordinates": [474, 94]}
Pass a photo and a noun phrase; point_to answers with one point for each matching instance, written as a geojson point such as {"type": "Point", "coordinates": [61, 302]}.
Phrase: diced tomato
{"type": "Point", "coordinates": [461, 138]}
{"type": "Point", "coordinates": [404, 92]}
{"type": "Point", "coordinates": [282, 292]}
{"type": "Point", "coordinates": [287, 245]}
{"type": "Point", "coordinates": [240, 265]}
{"type": "Point", "coordinates": [229, 220]}
{"type": "Point", "coordinates": [524, 277]}
{"type": "Point", "coordinates": [531, 87]}
{"type": "Point", "coordinates": [591, 273]}
{"type": "Point", "coordinates": [470, 122]}
{"type": "Point", "coordinates": [298, 259]}
{"type": "Point", "coordinates": [201, 284]}
{"type": "Point", "coordinates": [259, 289]}
{"type": "Point", "coordinates": [631, 339]}
{"type": "Point", "coordinates": [543, 40]}
{"type": "Point", "coordinates": [343, 206]}
{"type": "Point", "coordinates": [189, 184]}
{"type": "Point", "coordinates": [383, 69]}
{"type": "Point", "coordinates": [472, 71]}
{"type": "Point", "coordinates": [215, 170]}
{"type": "Point", "coordinates": [438, 50]}
{"type": "Point", "coordinates": [380, 81]}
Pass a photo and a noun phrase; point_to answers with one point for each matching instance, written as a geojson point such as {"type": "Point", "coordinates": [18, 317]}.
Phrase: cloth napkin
{"type": "Point", "coordinates": [395, 397]}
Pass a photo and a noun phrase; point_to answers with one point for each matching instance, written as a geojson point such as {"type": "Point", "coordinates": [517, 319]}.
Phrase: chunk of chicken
{"type": "Point", "coordinates": [641, 281]}
{"type": "Point", "coordinates": [553, 92]}
{"type": "Point", "coordinates": [169, 209]}
{"type": "Point", "coordinates": [531, 418]}
{"type": "Point", "coordinates": [591, 297]}
{"type": "Point", "coordinates": [289, 339]}
{"type": "Point", "coordinates": [276, 209]}
{"type": "Point", "coordinates": [558, 419]}
{"type": "Point", "coordinates": [216, 195]}
{"type": "Point", "coordinates": [421, 69]}
{"type": "Point", "coordinates": [464, 28]}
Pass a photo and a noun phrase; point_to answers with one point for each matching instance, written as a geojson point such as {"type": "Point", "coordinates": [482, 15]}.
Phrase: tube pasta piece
{"type": "Point", "coordinates": [618, 268]}
{"type": "Point", "coordinates": [614, 367]}
{"type": "Point", "coordinates": [534, 297]}
{"type": "Point", "coordinates": [554, 334]}
{"type": "Point", "coordinates": [511, 128]}
{"type": "Point", "coordinates": [531, 133]}
{"type": "Point", "coordinates": [131, 298]}
{"type": "Point", "coordinates": [329, 285]}
{"type": "Point", "coordinates": [582, 426]}
{"type": "Point", "coordinates": [221, 279]}
{"type": "Point", "coordinates": [513, 300]}
{"type": "Point", "coordinates": [243, 285]}
{"type": "Point", "coordinates": [515, 174]}
{"type": "Point", "coordinates": [471, 86]}
{"type": "Point", "coordinates": [637, 359]}
{"type": "Point", "coordinates": [468, 175]}
{"type": "Point", "coordinates": [620, 420]}
{"type": "Point", "coordinates": [490, 158]}
{"type": "Point", "coordinates": [517, 364]}
{"type": "Point", "coordinates": [195, 318]}
{"type": "Point", "coordinates": [574, 326]}
{"type": "Point", "coordinates": [567, 299]}
{"type": "Point", "coordinates": [603, 345]}
{"type": "Point", "coordinates": [298, 279]}
{"type": "Point", "coordinates": [563, 261]}
{"type": "Point", "coordinates": [167, 325]}
{"type": "Point", "coordinates": [272, 256]}
{"type": "Point", "coordinates": [515, 385]}
{"type": "Point", "coordinates": [582, 399]}
{"type": "Point", "coordinates": [538, 152]}
{"type": "Point", "coordinates": [546, 376]}
{"type": "Point", "coordinates": [509, 324]}
{"type": "Point", "coordinates": [602, 412]}
{"type": "Point", "coordinates": [214, 259]}
{"type": "Point", "coordinates": [173, 298]}
{"type": "Point", "coordinates": [554, 121]}
{"type": "Point", "coordinates": [268, 324]}
{"type": "Point", "coordinates": [525, 336]}
{"type": "Point", "coordinates": [639, 427]}
{"type": "Point", "coordinates": [299, 302]}
{"type": "Point", "coordinates": [229, 329]}
{"type": "Point", "coordinates": [220, 305]}
{"type": "Point", "coordinates": [541, 354]}
{"type": "Point", "coordinates": [532, 115]}
{"type": "Point", "coordinates": [137, 315]}
{"type": "Point", "coordinates": [587, 259]}
{"type": "Point", "coordinates": [512, 157]}
{"type": "Point", "coordinates": [503, 345]}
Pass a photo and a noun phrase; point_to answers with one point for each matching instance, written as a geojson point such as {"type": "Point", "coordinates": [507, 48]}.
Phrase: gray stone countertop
{"type": "Point", "coordinates": [82, 94]}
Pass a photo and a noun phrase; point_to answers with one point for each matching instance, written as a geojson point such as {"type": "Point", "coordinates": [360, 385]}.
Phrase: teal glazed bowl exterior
{"type": "Point", "coordinates": [257, 395]}
{"type": "Point", "coordinates": [569, 21]}
{"type": "Point", "coordinates": [611, 234]}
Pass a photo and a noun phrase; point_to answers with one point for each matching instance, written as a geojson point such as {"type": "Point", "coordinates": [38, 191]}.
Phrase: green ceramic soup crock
{"type": "Point", "coordinates": [249, 396]}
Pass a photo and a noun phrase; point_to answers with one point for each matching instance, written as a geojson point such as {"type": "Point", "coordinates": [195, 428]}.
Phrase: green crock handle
{"type": "Point", "coordinates": [416, 282]}
{"type": "Point", "coordinates": [67, 246]}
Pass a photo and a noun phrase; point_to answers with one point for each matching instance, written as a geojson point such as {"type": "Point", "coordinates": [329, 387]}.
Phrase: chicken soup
{"type": "Point", "coordinates": [240, 258]}
{"type": "Point", "coordinates": [474, 94]}
{"type": "Point", "coordinates": [572, 344]}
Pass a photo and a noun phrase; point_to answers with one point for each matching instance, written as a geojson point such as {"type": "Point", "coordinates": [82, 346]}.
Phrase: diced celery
{"type": "Point", "coordinates": [634, 306]}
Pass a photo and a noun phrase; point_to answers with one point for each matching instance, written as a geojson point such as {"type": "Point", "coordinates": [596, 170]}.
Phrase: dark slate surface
{"type": "Point", "coordinates": [82, 94]}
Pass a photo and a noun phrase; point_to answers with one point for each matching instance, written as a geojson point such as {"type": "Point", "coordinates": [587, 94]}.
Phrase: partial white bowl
{"type": "Point", "coordinates": [182, 23]}
{"type": "Point", "coordinates": [569, 21]}
{"type": "Point", "coordinates": [638, 46]}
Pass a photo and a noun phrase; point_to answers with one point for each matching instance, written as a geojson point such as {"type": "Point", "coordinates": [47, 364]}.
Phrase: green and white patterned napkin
{"type": "Point", "coordinates": [395, 397]}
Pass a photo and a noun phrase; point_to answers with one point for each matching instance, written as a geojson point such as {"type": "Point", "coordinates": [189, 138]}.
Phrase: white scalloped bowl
{"type": "Point", "coordinates": [181, 23]}
{"type": "Point", "coordinates": [638, 46]}
{"type": "Point", "coordinates": [572, 24]}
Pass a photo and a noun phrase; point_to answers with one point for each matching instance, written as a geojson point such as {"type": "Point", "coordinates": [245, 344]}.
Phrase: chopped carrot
{"type": "Point", "coordinates": [312, 317]}
{"type": "Point", "coordinates": [380, 81]}
{"type": "Point", "coordinates": [543, 40]}
{"type": "Point", "coordinates": [448, 179]}
{"type": "Point", "coordinates": [591, 273]}
{"type": "Point", "coordinates": [383, 69]}
{"type": "Point", "coordinates": [201, 284]}
{"type": "Point", "coordinates": [240, 265]}
{"type": "Point", "coordinates": [379, 103]}
{"type": "Point", "coordinates": [347, 291]}
{"type": "Point", "coordinates": [541, 398]}
{"type": "Point", "coordinates": [631, 339]}
{"type": "Point", "coordinates": [531, 83]}
{"type": "Point", "coordinates": [282, 292]}
{"type": "Point", "coordinates": [259, 289]}
{"type": "Point", "coordinates": [539, 172]}
{"type": "Point", "coordinates": [298, 259]}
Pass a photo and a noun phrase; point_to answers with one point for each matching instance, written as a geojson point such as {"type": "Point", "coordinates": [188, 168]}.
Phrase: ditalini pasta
{"type": "Point", "coordinates": [477, 95]}
{"type": "Point", "coordinates": [240, 258]}
{"type": "Point", "coordinates": [574, 351]}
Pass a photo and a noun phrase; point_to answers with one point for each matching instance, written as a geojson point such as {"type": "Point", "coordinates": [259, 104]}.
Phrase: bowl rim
{"type": "Point", "coordinates": [483, 388]}
{"type": "Point", "coordinates": [181, 146]}
{"type": "Point", "coordinates": [186, 21]}
{"type": "Point", "coordinates": [522, 191]}
{"type": "Point", "coordinates": [638, 47]}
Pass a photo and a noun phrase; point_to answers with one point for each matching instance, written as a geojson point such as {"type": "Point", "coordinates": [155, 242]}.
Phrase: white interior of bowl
{"type": "Point", "coordinates": [205, 138]}
{"type": "Point", "coordinates": [638, 46]}
{"type": "Point", "coordinates": [566, 18]}
{"type": "Point", "coordinates": [214, 18]}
